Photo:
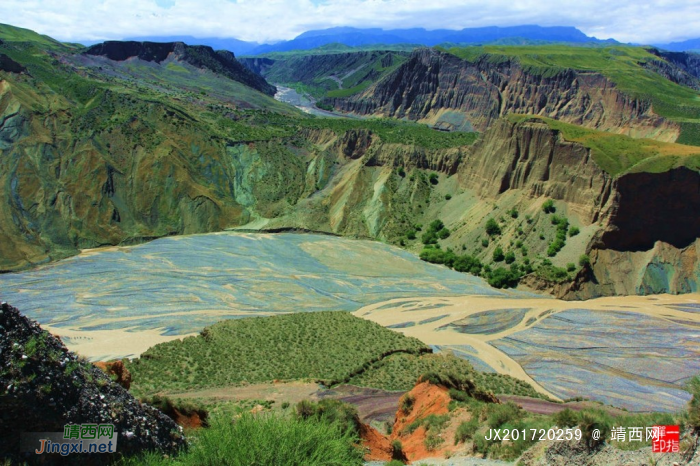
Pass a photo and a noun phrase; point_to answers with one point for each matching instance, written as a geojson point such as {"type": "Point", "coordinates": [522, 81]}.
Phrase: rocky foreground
{"type": "Point", "coordinates": [43, 387]}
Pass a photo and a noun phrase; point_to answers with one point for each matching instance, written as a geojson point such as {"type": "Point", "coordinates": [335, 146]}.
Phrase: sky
{"type": "Point", "coordinates": [267, 21]}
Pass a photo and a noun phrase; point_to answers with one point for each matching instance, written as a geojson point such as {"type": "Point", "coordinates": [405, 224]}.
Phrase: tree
{"type": "Point", "coordinates": [510, 257]}
{"type": "Point", "coordinates": [492, 227]}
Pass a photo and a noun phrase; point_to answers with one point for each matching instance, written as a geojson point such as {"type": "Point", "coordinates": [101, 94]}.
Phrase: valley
{"type": "Point", "coordinates": [385, 248]}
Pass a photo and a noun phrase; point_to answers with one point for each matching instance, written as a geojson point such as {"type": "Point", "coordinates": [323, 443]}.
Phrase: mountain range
{"type": "Point", "coordinates": [365, 37]}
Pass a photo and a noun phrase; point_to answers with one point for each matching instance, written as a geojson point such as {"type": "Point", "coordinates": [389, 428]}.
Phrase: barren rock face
{"type": "Point", "coordinates": [43, 387]}
{"type": "Point", "coordinates": [431, 82]}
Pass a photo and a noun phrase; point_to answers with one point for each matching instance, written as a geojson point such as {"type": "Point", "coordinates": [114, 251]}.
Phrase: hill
{"type": "Point", "coordinates": [618, 89]}
{"type": "Point", "coordinates": [328, 347]}
{"type": "Point", "coordinates": [101, 151]}
{"type": "Point", "coordinates": [200, 56]}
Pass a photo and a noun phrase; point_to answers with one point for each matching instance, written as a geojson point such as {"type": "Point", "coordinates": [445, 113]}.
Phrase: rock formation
{"type": "Point", "coordinates": [43, 387]}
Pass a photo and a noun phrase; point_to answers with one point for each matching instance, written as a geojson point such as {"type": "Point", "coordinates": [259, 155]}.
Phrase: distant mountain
{"type": "Point", "coordinates": [239, 47]}
{"type": "Point", "coordinates": [691, 45]}
{"type": "Point", "coordinates": [355, 37]}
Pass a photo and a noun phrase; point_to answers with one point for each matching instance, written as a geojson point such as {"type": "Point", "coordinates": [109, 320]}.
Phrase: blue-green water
{"type": "Point", "coordinates": [182, 284]}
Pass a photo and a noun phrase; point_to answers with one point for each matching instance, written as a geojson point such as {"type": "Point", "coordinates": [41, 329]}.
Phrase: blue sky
{"type": "Point", "coordinates": [654, 21]}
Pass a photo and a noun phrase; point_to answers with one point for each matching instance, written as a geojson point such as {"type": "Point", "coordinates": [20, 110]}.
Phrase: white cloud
{"type": "Point", "coordinates": [273, 20]}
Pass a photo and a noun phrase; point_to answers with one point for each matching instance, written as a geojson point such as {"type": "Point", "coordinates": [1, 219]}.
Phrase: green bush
{"type": "Point", "coordinates": [589, 421]}
{"type": "Point", "coordinates": [513, 213]}
{"type": "Point", "coordinates": [584, 260]}
{"type": "Point", "coordinates": [566, 418]}
{"type": "Point", "coordinates": [406, 403]}
{"type": "Point", "coordinates": [548, 207]}
{"type": "Point", "coordinates": [466, 430]}
{"type": "Point", "coordinates": [510, 257]}
{"type": "Point", "coordinates": [432, 441]}
{"type": "Point", "coordinates": [501, 414]}
{"type": "Point", "coordinates": [552, 273]}
{"type": "Point", "coordinates": [498, 255]}
{"type": "Point", "coordinates": [570, 267]}
{"type": "Point", "coordinates": [485, 242]}
{"type": "Point", "coordinates": [433, 178]}
{"type": "Point", "coordinates": [330, 411]}
{"type": "Point", "coordinates": [503, 278]}
{"type": "Point", "coordinates": [492, 227]}
{"type": "Point", "coordinates": [411, 235]}
{"type": "Point", "coordinates": [468, 264]}
{"type": "Point", "coordinates": [448, 197]}
{"type": "Point", "coordinates": [574, 231]}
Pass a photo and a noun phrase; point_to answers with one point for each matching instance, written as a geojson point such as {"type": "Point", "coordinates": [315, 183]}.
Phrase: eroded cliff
{"type": "Point", "coordinates": [432, 85]}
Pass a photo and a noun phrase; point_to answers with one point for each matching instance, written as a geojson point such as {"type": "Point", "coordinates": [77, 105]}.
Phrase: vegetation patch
{"type": "Point", "coordinates": [617, 154]}
{"type": "Point", "coordinates": [325, 346]}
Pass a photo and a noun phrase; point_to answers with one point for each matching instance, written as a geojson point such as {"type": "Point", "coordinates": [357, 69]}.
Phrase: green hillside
{"type": "Point", "coordinates": [617, 154]}
{"type": "Point", "coordinates": [16, 34]}
{"type": "Point", "coordinates": [332, 71]}
{"type": "Point", "coordinates": [330, 347]}
{"type": "Point", "coordinates": [326, 346]}
{"type": "Point", "coordinates": [622, 64]}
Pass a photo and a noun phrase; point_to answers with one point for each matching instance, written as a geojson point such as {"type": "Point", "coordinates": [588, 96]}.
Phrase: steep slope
{"type": "Point", "coordinates": [44, 387]}
{"type": "Point", "coordinates": [638, 223]}
{"type": "Point", "coordinates": [596, 88]}
{"type": "Point", "coordinates": [222, 62]}
{"type": "Point", "coordinates": [96, 151]}
{"type": "Point", "coordinates": [328, 74]}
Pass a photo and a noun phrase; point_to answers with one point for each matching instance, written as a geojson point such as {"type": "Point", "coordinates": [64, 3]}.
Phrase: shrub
{"type": "Point", "coordinates": [503, 278]}
{"type": "Point", "coordinates": [448, 197]}
{"type": "Point", "coordinates": [466, 430]}
{"type": "Point", "coordinates": [548, 207]}
{"type": "Point", "coordinates": [443, 233]}
{"type": "Point", "coordinates": [570, 267]}
{"type": "Point", "coordinates": [411, 235]}
{"type": "Point", "coordinates": [498, 255]}
{"type": "Point", "coordinates": [467, 264]}
{"type": "Point", "coordinates": [429, 237]}
{"type": "Point", "coordinates": [589, 422]}
{"type": "Point", "coordinates": [435, 423]}
{"type": "Point", "coordinates": [552, 273]}
{"type": "Point", "coordinates": [485, 242]}
{"type": "Point", "coordinates": [397, 450]}
{"type": "Point", "coordinates": [406, 403]}
{"type": "Point", "coordinates": [492, 227]}
{"type": "Point", "coordinates": [584, 260]}
{"type": "Point", "coordinates": [433, 178]}
{"type": "Point", "coordinates": [566, 418]}
{"type": "Point", "coordinates": [510, 257]}
{"type": "Point", "coordinates": [513, 213]}
{"type": "Point", "coordinates": [331, 411]}
{"type": "Point", "coordinates": [503, 414]}
{"type": "Point", "coordinates": [574, 231]}
{"type": "Point", "coordinates": [432, 441]}
{"type": "Point", "coordinates": [401, 172]}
